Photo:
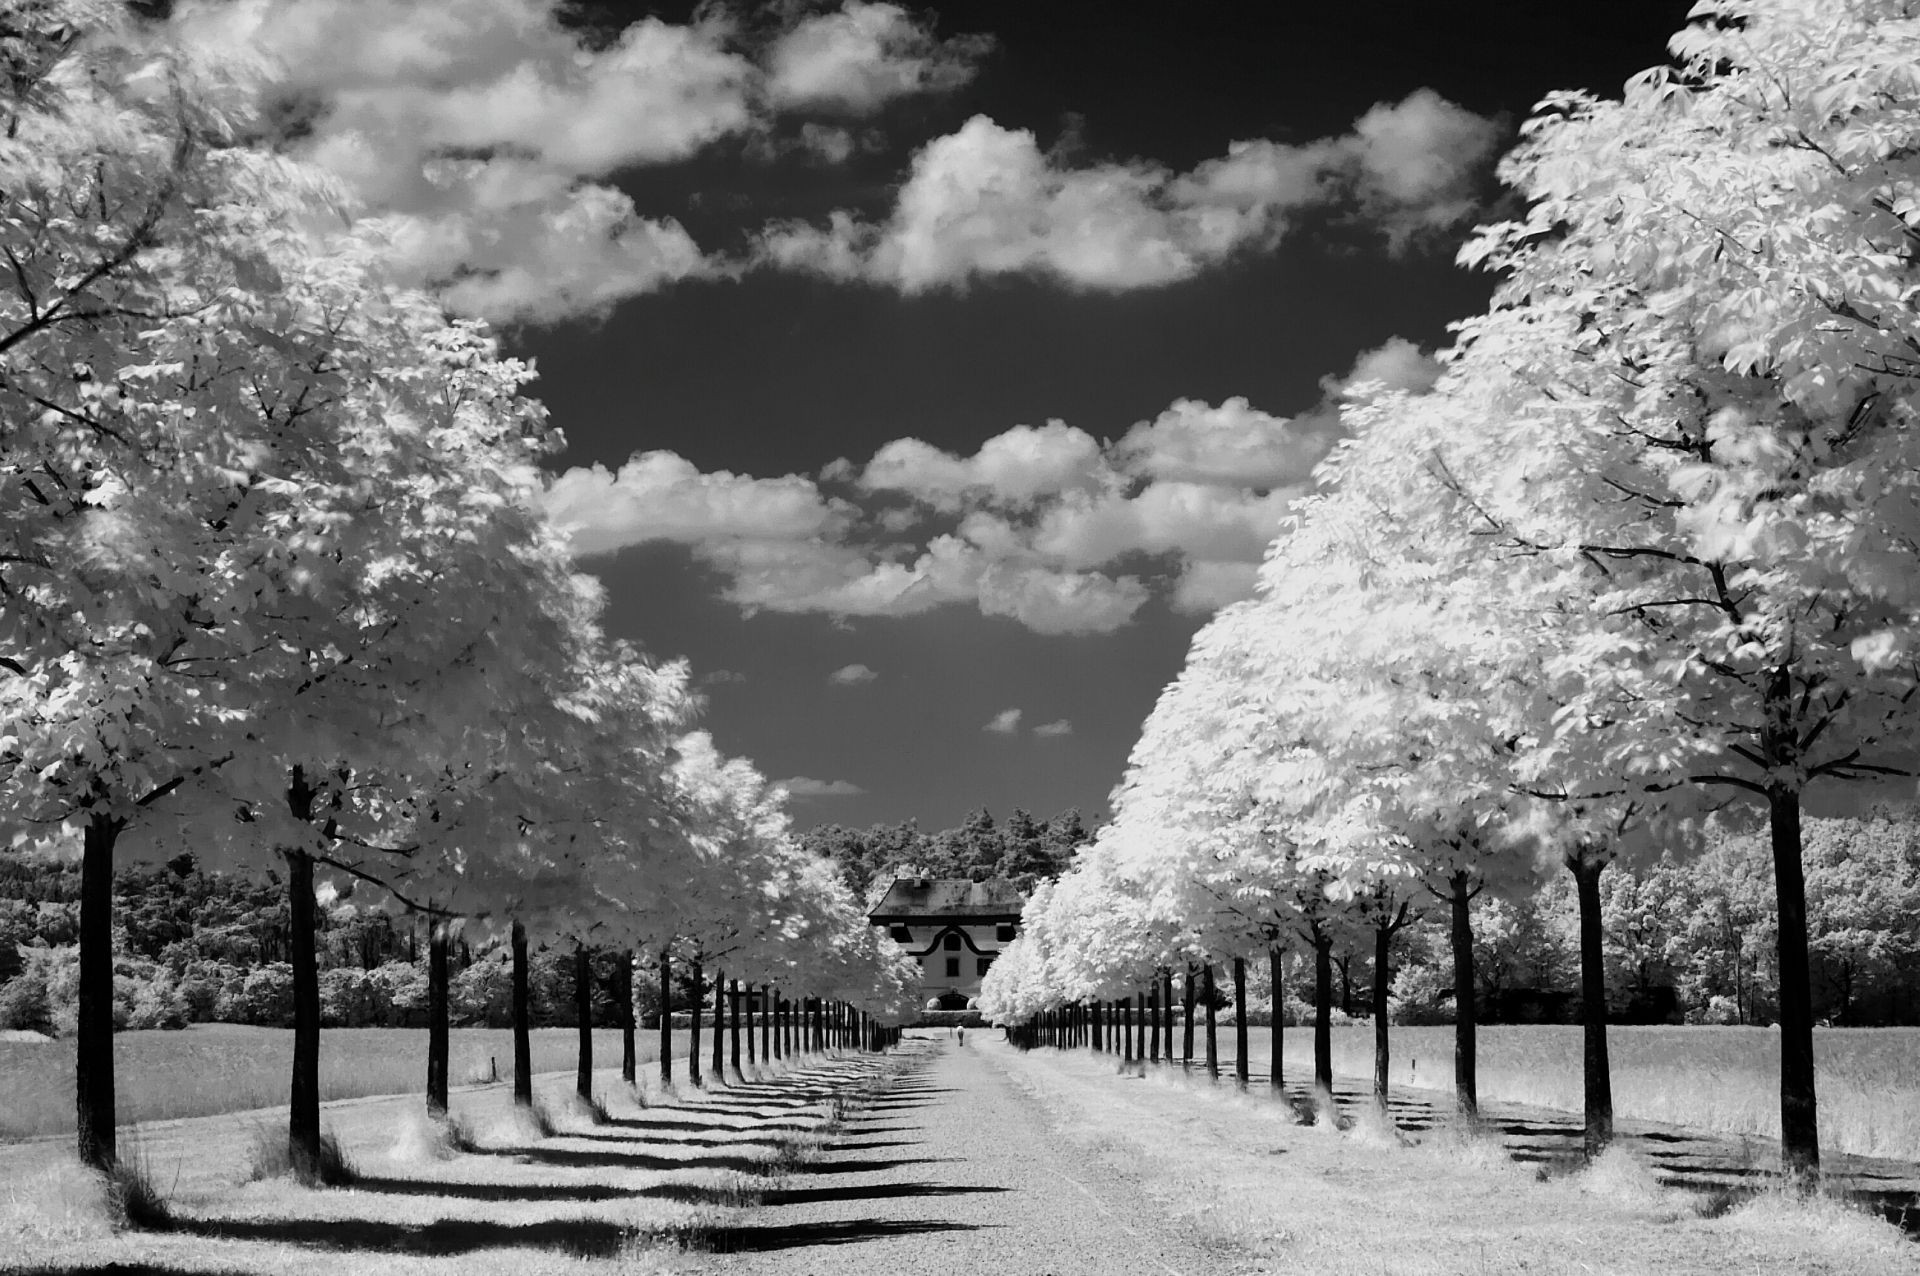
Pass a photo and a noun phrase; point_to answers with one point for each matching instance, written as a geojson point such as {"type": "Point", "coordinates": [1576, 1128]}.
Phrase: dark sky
{"type": "Point", "coordinates": [771, 373]}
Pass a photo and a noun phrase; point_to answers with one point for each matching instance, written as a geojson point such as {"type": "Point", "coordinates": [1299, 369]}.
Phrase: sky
{"type": "Point", "coordinates": [930, 373]}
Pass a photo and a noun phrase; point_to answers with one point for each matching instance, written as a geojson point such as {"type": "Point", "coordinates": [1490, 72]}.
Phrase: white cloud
{"type": "Point", "coordinates": [864, 56]}
{"type": "Point", "coordinates": [1046, 526]}
{"type": "Point", "coordinates": [483, 133]}
{"type": "Point", "coordinates": [986, 201]}
{"type": "Point", "coordinates": [1053, 730]}
{"type": "Point", "coordinates": [851, 676]}
{"type": "Point", "coordinates": [1005, 722]}
{"type": "Point", "coordinates": [802, 788]}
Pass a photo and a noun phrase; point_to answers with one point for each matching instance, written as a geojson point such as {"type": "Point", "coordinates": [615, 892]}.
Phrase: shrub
{"type": "Point", "coordinates": [1420, 996]}
{"type": "Point", "coordinates": [350, 998]}
{"type": "Point", "coordinates": [156, 1003]}
{"type": "Point", "coordinates": [483, 992]}
{"type": "Point", "coordinates": [264, 998]}
{"type": "Point", "coordinates": [403, 987]}
{"type": "Point", "coordinates": [24, 1003]}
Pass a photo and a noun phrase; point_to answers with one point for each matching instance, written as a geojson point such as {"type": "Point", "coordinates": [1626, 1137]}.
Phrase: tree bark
{"type": "Point", "coordinates": [1466, 1057]}
{"type": "Point", "coordinates": [746, 1005]}
{"type": "Point", "coordinates": [666, 1018]}
{"type": "Point", "coordinates": [303, 1098]}
{"type": "Point", "coordinates": [1125, 1007]}
{"type": "Point", "coordinates": [1240, 1021]}
{"type": "Point", "coordinates": [93, 1036]}
{"type": "Point", "coordinates": [1151, 1001]}
{"type": "Point", "coordinates": [1382, 1043]}
{"type": "Point", "coordinates": [1593, 1008]}
{"type": "Point", "coordinates": [1799, 1106]}
{"type": "Point", "coordinates": [693, 1044]}
{"type": "Point", "coordinates": [1322, 1010]}
{"type": "Point", "coordinates": [719, 1069]}
{"type": "Point", "coordinates": [1166, 1008]}
{"type": "Point", "coordinates": [733, 1021]}
{"type": "Point", "coordinates": [1276, 1030]}
{"type": "Point", "coordinates": [1186, 1052]}
{"type": "Point", "coordinates": [1213, 1039]}
{"type": "Point", "coordinates": [629, 1027]}
{"type": "Point", "coordinates": [437, 979]}
{"type": "Point", "coordinates": [583, 1010]}
{"type": "Point", "coordinates": [766, 1023]}
{"type": "Point", "coordinates": [522, 1022]}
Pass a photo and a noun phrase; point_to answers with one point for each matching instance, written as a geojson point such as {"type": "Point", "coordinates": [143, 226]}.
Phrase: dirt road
{"type": "Point", "coordinates": [953, 1169]}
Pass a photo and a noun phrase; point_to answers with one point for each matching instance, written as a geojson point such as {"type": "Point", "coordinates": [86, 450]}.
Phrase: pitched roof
{"type": "Point", "coordinates": [950, 897]}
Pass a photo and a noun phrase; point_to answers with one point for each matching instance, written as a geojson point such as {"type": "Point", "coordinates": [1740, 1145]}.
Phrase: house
{"type": "Point", "coordinates": [954, 928]}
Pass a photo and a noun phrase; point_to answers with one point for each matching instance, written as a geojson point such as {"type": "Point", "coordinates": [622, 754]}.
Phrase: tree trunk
{"type": "Point", "coordinates": [1466, 1058]}
{"type": "Point", "coordinates": [775, 1023]}
{"type": "Point", "coordinates": [733, 1022]}
{"type": "Point", "coordinates": [1152, 1003]}
{"type": "Point", "coordinates": [1322, 1010]}
{"type": "Point", "coordinates": [719, 1069]}
{"type": "Point", "coordinates": [666, 1018]}
{"type": "Point", "coordinates": [93, 1036]}
{"type": "Point", "coordinates": [766, 1023]}
{"type": "Point", "coordinates": [1125, 1007]}
{"type": "Point", "coordinates": [1799, 1110]}
{"type": "Point", "coordinates": [1186, 1052]}
{"type": "Point", "coordinates": [1382, 1044]}
{"type": "Point", "coordinates": [1593, 1008]}
{"type": "Point", "coordinates": [303, 1098]}
{"type": "Point", "coordinates": [1166, 1008]}
{"type": "Point", "coordinates": [629, 1048]}
{"type": "Point", "coordinates": [1213, 1039]}
{"type": "Point", "coordinates": [1276, 1030]}
{"type": "Point", "coordinates": [1240, 1021]}
{"type": "Point", "coordinates": [746, 1004]}
{"type": "Point", "coordinates": [522, 1022]}
{"type": "Point", "coordinates": [1346, 984]}
{"type": "Point", "coordinates": [583, 1010]}
{"type": "Point", "coordinates": [693, 1044]}
{"type": "Point", "coordinates": [437, 1020]}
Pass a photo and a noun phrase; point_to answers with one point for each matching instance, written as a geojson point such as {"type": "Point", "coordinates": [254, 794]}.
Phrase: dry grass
{"type": "Point", "coordinates": [1262, 1192]}
{"type": "Point", "coordinates": [214, 1068]}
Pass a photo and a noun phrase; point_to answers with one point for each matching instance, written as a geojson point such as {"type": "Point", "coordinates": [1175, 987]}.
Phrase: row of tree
{"type": "Point", "coordinates": [1023, 850]}
{"type": "Point", "coordinates": [1647, 559]}
{"type": "Point", "coordinates": [277, 590]}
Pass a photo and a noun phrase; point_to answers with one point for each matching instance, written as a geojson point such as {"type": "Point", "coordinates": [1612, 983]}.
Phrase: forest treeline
{"type": "Point", "coordinates": [1685, 942]}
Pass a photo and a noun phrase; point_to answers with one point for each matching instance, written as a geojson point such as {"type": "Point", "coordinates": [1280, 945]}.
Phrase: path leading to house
{"type": "Point", "coordinates": [954, 1169]}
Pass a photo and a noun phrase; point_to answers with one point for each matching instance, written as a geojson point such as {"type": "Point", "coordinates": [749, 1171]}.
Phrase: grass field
{"type": "Point", "coordinates": [214, 1068]}
{"type": "Point", "coordinates": [1715, 1078]}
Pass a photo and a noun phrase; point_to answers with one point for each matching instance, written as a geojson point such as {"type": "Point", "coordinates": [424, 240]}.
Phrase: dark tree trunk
{"type": "Point", "coordinates": [437, 979]}
{"type": "Point", "coordinates": [766, 1023]}
{"type": "Point", "coordinates": [629, 1028]}
{"type": "Point", "coordinates": [1126, 1029]}
{"type": "Point", "coordinates": [1382, 1042]}
{"type": "Point", "coordinates": [1593, 1007]}
{"type": "Point", "coordinates": [775, 1023]}
{"type": "Point", "coordinates": [693, 1043]}
{"type": "Point", "coordinates": [93, 1036]}
{"type": "Point", "coordinates": [1277, 1030]}
{"type": "Point", "coordinates": [1213, 1027]}
{"type": "Point", "coordinates": [746, 1005]}
{"type": "Point", "coordinates": [1322, 1010]}
{"type": "Point", "coordinates": [1186, 1052]}
{"type": "Point", "coordinates": [666, 1018]}
{"type": "Point", "coordinates": [719, 1069]}
{"type": "Point", "coordinates": [522, 1022]}
{"type": "Point", "coordinates": [1240, 1021]}
{"type": "Point", "coordinates": [1346, 984]}
{"type": "Point", "coordinates": [1799, 1107]}
{"type": "Point", "coordinates": [1152, 1003]}
{"type": "Point", "coordinates": [1466, 1058]}
{"type": "Point", "coordinates": [1166, 1008]}
{"type": "Point", "coordinates": [583, 1009]}
{"type": "Point", "coordinates": [733, 1022]}
{"type": "Point", "coordinates": [303, 1099]}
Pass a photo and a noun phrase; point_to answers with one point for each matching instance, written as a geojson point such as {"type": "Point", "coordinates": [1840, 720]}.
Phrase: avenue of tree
{"type": "Point", "coordinates": [274, 589]}
{"type": "Point", "coordinates": [1645, 564]}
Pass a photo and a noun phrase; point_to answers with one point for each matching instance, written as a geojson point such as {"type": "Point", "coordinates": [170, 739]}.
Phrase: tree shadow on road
{"type": "Point", "coordinates": [754, 1239]}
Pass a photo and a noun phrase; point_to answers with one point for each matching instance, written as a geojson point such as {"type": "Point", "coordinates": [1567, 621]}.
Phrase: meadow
{"type": "Point", "coordinates": [1715, 1078]}
{"type": "Point", "coordinates": [214, 1068]}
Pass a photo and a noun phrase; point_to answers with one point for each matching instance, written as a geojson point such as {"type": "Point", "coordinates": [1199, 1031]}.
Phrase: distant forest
{"type": "Point", "coordinates": [1687, 940]}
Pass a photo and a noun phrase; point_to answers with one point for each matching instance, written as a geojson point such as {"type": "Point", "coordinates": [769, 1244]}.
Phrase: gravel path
{"type": "Point", "coordinates": [952, 1170]}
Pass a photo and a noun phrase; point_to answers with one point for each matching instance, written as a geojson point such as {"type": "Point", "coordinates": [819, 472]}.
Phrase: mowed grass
{"type": "Point", "coordinates": [1725, 1079]}
{"type": "Point", "coordinates": [209, 1069]}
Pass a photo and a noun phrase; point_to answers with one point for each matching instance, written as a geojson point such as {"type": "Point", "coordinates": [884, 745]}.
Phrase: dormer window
{"type": "Point", "coordinates": [953, 943]}
{"type": "Point", "coordinates": [1003, 933]}
{"type": "Point", "coordinates": [902, 934]}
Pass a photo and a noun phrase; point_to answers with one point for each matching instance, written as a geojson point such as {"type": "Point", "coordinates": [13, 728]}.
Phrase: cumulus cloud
{"type": "Point", "coordinates": [863, 56]}
{"type": "Point", "coordinates": [1053, 730]}
{"type": "Point", "coordinates": [1047, 526]}
{"type": "Point", "coordinates": [851, 676]}
{"type": "Point", "coordinates": [483, 134]}
{"type": "Point", "coordinates": [803, 788]}
{"type": "Point", "coordinates": [1005, 722]}
{"type": "Point", "coordinates": [986, 201]}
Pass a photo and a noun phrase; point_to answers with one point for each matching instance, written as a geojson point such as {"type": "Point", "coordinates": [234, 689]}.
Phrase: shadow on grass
{"type": "Point", "coordinates": [495, 1191]}
{"type": "Point", "coordinates": [580, 1237]}
{"type": "Point", "coordinates": [748, 1240]}
{"type": "Point", "coordinates": [702, 1194]}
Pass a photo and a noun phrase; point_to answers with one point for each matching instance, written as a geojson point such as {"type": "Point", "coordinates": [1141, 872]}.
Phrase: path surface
{"type": "Point", "coordinates": [953, 1169]}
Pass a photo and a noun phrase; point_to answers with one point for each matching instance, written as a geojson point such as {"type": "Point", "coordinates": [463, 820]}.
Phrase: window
{"type": "Point", "coordinates": [953, 968]}
{"type": "Point", "coordinates": [1003, 933]}
{"type": "Point", "coordinates": [953, 943]}
{"type": "Point", "coordinates": [984, 963]}
{"type": "Point", "coordinates": [902, 934]}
